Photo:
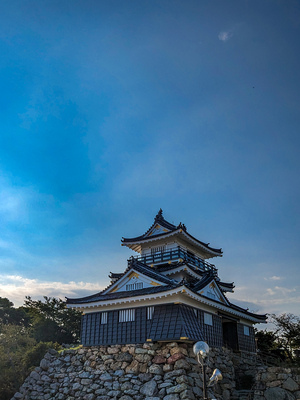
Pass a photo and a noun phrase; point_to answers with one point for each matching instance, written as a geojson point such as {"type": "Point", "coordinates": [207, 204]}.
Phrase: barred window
{"type": "Point", "coordinates": [208, 319]}
{"type": "Point", "coordinates": [150, 311]}
{"type": "Point", "coordinates": [159, 249]}
{"type": "Point", "coordinates": [246, 330]}
{"type": "Point", "coordinates": [134, 286]}
{"type": "Point", "coordinates": [127, 315]}
{"type": "Point", "coordinates": [103, 318]}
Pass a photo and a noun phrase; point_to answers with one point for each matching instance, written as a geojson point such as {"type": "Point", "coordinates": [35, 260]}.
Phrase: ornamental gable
{"type": "Point", "coordinates": [133, 281]}
{"type": "Point", "coordinates": [213, 292]}
{"type": "Point", "coordinates": [157, 230]}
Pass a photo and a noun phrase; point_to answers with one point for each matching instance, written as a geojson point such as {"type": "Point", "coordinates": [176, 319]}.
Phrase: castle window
{"type": "Point", "coordinates": [159, 249]}
{"type": "Point", "coordinates": [134, 286]}
{"type": "Point", "coordinates": [127, 315]}
{"type": "Point", "coordinates": [246, 330]}
{"type": "Point", "coordinates": [103, 318]}
{"type": "Point", "coordinates": [196, 312]}
{"type": "Point", "coordinates": [208, 319]}
{"type": "Point", "coordinates": [150, 311]}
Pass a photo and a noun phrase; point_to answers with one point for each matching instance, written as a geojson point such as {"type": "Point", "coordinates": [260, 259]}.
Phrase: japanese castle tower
{"type": "Point", "coordinates": [169, 292]}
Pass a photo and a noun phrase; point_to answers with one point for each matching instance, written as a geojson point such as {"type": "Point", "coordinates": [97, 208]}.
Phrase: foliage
{"type": "Point", "coordinates": [52, 321]}
{"type": "Point", "coordinates": [35, 354]}
{"type": "Point", "coordinates": [287, 332]}
{"type": "Point", "coordinates": [283, 340]}
{"type": "Point", "coordinates": [14, 342]}
{"type": "Point", "coordinates": [26, 333]}
{"type": "Point", "coordinates": [268, 345]}
{"type": "Point", "coordinates": [11, 315]}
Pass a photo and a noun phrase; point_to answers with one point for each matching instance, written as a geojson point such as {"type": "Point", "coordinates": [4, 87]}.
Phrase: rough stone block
{"type": "Point", "coordinates": [290, 384]}
{"type": "Point", "coordinates": [149, 388]}
{"type": "Point", "coordinates": [278, 394]}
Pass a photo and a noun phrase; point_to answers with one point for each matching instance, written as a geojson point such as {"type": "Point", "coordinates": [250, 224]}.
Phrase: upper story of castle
{"type": "Point", "coordinates": [165, 244]}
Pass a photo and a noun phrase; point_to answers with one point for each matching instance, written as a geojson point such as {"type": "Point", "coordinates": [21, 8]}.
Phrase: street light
{"type": "Point", "coordinates": [201, 350]}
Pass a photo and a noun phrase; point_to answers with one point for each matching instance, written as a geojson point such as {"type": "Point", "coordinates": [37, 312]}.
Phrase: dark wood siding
{"type": "Point", "coordinates": [94, 333]}
{"type": "Point", "coordinates": [246, 343]}
{"type": "Point", "coordinates": [169, 322]}
{"type": "Point", "coordinates": [212, 333]}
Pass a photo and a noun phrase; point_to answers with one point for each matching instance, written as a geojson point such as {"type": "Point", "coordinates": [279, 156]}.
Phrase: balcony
{"type": "Point", "coordinates": [174, 255]}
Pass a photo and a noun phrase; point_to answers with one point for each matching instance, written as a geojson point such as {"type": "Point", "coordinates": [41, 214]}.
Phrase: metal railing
{"type": "Point", "coordinates": [176, 255]}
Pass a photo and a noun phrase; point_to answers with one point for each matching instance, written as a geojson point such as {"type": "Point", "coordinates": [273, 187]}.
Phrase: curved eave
{"type": "Point", "coordinates": [136, 243]}
{"type": "Point", "coordinates": [226, 287]}
{"type": "Point", "coordinates": [160, 221]}
{"type": "Point", "coordinates": [134, 301]}
{"type": "Point", "coordinates": [183, 267]}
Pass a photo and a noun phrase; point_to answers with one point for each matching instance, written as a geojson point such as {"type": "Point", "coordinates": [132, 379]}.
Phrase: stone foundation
{"type": "Point", "coordinates": [274, 383]}
{"type": "Point", "coordinates": [167, 371]}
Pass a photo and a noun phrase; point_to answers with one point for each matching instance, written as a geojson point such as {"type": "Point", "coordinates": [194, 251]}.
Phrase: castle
{"type": "Point", "coordinates": [170, 292]}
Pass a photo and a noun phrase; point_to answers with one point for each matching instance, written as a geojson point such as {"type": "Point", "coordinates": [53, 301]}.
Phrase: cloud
{"type": "Point", "coordinates": [225, 35]}
{"type": "Point", "coordinates": [270, 291]}
{"type": "Point", "coordinates": [16, 287]}
{"type": "Point", "coordinates": [280, 289]}
{"type": "Point", "coordinates": [274, 278]}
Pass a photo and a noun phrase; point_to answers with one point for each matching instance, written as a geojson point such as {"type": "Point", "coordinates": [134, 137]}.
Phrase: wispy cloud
{"type": "Point", "coordinates": [280, 289]}
{"type": "Point", "coordinates": [274, 278]}
{"type": "Point", "coordinates": [16, 287]}
{"type": "Point", "coordinates": [225, 35]}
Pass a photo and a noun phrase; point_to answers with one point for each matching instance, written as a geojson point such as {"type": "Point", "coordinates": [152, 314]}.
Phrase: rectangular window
{"type": "Point", "coordinates": [208, 319]}
{"type": "Point", "coordinates": [134, 286]}
{"type": "Point", "coordinates": [103, 318]}
{"type": "Point", "coordinates": [127, 315]}
{"type": "Point", "coordinates": [159, 249]}
{"type": "Point", "coordinates": [196, 312]}
{"type": "Point", "coordinates": [150, 311]}
{"type": "Point", "coordinates": [246, 330]}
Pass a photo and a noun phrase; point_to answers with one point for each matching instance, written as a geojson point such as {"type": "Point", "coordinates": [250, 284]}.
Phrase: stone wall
{"type": "Point", "coordinates": [276, 383]}
{"type": "Point", "coordinates": [167, 371]}
{"type": "Point", "coordinates": [134, 372]}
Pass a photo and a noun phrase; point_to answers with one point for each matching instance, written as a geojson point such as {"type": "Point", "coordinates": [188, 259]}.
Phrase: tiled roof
{"type": "Point", "coordinates": [119, 295]}
{"type": "Point", "coordinates": [150, 272]}
{"type": "Point", "coordinates": [116, 275]}
{"type": "Point", "coordinates": [174, 321]}
{"type": "Point", "coordinates": [226, 284]}
{"type": "Point", "coordinates": [172, 228]}
{"type": "Point", "coordinates": [263, 317]}
{"type": "Point", "coordinates": [136, 265]}
{"type": "Point", "coordinates": [207, 278]}
{"type": "Point", "coordinates": [158, 289]}
{"type": "Point", "coordinates": [170, 267]}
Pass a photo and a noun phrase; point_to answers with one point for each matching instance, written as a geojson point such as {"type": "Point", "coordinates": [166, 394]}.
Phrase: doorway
{"type": "Point", "coordinates": [230, 335]}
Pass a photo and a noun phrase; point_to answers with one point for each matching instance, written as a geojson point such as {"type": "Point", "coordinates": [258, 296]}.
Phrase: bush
{"type": "Point", "coordinates": [33, 356]}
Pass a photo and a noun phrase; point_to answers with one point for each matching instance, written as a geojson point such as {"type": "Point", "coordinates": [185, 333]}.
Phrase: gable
{"type": "Point", "coordinates": [133, 280]}
{"type": "Point", "coordinates": [157, 230]}
{"type": "Point", "coordinates": [213, 292]}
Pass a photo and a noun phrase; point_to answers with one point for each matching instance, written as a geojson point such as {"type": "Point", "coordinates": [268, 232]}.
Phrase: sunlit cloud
{"type": "Point", "coordinates": [16, 287]}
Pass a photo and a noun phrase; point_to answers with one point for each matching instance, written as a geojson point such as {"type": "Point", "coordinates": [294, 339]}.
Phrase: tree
{"type": "Point", "coordinates": [287, 332]}
{"type": "Point", "coordinates": [14, 343]}
{"type": "Point", "coordinates": [268, 345]}
{"type": "Point", "coordinates": [52, 321]}
{"type": "Point", "coordinates": [11, 315]}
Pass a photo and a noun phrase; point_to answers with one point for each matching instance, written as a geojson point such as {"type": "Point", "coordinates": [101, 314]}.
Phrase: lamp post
{"type": "Point", "coordinates": [201, 350]}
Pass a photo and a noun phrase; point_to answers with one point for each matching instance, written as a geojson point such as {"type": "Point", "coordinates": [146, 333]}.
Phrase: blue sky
{"type": "Point", "coordinates": [113, 109]}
